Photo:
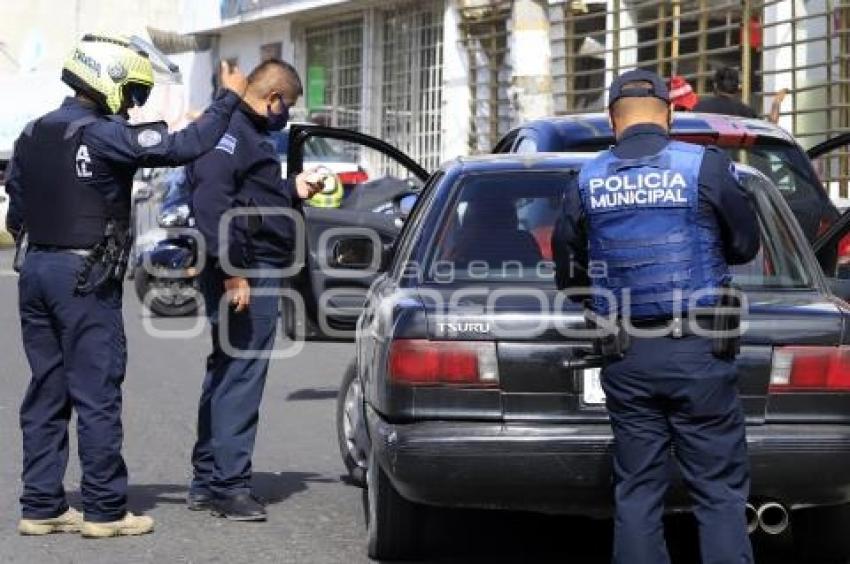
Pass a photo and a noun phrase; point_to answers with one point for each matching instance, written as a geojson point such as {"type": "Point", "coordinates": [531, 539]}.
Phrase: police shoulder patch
{"type": "Point", "coordinates": [227, 143]}
{"type": "Point", "coordinates": [146, 136]}
{"type": "Point", "coordinates": [149, 138]}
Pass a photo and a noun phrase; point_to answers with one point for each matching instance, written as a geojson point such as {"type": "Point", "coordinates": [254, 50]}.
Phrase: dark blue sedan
{"type": "Point", "coordinates": [472, 385]}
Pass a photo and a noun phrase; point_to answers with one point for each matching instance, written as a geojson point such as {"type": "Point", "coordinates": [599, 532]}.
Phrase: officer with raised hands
{"type": "Point", "coordinates": [69, 185]}
{"type": "Point", "coordinates": [648, 229]}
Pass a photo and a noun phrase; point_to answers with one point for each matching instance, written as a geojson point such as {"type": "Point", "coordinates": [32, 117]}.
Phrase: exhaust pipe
{"type": "Point", "coordinates": [752, 518]}
{"type": "Point", "coordinates": [773, 518]}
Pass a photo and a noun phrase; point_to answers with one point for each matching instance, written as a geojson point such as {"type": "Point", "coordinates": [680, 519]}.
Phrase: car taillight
{"type": "Point", "coordinates": [353, 177]}
{"type": "Point", "coordinates": [420, 362]}
{"type": "Point", "coordinates": [825, 369]}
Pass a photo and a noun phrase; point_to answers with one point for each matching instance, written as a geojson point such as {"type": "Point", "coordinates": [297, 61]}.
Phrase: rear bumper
{"type": "Point", "coordinates": [566, 468]}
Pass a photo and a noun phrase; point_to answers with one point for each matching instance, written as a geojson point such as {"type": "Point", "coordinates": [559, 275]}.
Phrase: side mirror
{"type": "Point", "coordinates": [356, 253]}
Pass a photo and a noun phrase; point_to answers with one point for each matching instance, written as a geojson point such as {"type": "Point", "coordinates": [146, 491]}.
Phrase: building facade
{"type": "Point", "coordinates": [441, 78]}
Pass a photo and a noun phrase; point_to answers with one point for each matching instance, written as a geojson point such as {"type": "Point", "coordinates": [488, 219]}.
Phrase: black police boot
{"type": "Point", "coordinates": [199, 501]}
{"type": "Point", "coordinates": [239, 507]}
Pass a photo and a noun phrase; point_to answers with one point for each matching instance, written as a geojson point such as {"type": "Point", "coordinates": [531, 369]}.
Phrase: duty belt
{"type": "Point", "coordinates": [677, 327]}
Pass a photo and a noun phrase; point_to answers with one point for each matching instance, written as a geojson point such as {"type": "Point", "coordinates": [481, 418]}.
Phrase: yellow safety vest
{"type": "Point", "coordinates": [329, 197]}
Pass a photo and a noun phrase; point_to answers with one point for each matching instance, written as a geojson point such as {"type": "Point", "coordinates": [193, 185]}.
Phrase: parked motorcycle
{"type": "Point", "coordinates": [165, 276]}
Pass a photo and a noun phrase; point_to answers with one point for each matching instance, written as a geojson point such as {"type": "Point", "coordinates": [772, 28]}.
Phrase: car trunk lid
{"type": "Point", "coordinates": [546, 370]}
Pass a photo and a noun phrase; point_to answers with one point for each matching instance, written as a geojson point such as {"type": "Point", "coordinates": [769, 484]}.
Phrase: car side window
{"type": "Point", "coordinates": [405, 240]}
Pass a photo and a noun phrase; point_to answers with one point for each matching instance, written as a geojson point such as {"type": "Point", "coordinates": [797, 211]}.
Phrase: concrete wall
{"type": "Point", "coordinates": [530, 55]}
{"type": "Point", "coordinates": [455, 117]}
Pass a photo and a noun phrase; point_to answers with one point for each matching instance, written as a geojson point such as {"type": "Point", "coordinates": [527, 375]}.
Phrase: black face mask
{"type": "Point", "coordinates": [275, 121]}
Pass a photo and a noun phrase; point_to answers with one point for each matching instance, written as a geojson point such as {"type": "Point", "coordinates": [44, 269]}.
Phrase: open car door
{"type": "Point", "coordinates": [828, 146]}
{"type": "Point", "coordinates": [832, 248]}
{"type": "Point", "coordinates": [346, 245]}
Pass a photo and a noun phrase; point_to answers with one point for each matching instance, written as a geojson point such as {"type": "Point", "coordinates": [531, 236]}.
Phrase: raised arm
{"type": "Point", "coordinates": [150, 144]}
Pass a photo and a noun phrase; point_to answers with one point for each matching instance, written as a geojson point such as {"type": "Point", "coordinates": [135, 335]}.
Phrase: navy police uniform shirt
{"type": "Point", "coordinates": [243, 171]}
{"type": "Point", "coordinates": [718, 188]}
{"type": "Point", "coordinates": [112, 150]}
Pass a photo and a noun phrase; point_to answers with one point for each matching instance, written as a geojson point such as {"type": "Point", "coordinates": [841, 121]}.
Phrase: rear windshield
{"type": "Point", "coordinates": [498, 229]}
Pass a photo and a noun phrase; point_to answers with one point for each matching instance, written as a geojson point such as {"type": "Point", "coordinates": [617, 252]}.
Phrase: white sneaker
{"type": "Point", "coordinates": [130, 525]}
{"type": "Point", "coordinates": [69, 522]}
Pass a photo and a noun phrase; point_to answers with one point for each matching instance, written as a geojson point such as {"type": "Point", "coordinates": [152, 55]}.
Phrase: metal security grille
{"type": "Point", "coordinates": [335, 73]}
{"type": "Point", "coordinates": [485, 35]}
{"type": "Point", "coordinates": [808, 44]}
{"type": "Point", "coordinates": [798, 46]}
{"type": "Point", "coordinates": [411, 72]}
{"type": "Point", "coordinates": [594, 41]}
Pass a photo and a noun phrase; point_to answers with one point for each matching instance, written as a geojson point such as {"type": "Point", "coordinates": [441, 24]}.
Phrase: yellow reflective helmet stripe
{"type": "Point", "coordinates": [105, 65]}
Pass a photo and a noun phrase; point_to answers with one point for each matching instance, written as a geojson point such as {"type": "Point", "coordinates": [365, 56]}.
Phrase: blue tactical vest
{"type": "Point", "coordinates": [649, 243]}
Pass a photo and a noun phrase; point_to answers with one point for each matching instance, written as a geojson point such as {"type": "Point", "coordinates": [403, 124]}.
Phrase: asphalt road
{"type": "Point", "coordinates": [314, 516]}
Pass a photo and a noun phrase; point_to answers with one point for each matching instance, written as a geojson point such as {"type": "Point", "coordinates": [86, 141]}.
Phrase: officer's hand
{"type": "Point", "coordinates": [239, 291]}
{"type": "Point", "coordinates": [233, 79]}
{"type": "Point", "coordinates": [309, 183]}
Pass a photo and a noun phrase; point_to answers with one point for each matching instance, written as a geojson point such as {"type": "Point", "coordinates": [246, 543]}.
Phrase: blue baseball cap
{"type": "Point", "coordinates": [658, 88]}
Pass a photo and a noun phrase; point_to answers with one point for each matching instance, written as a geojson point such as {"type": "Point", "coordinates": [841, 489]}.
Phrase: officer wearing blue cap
{"type": "Point", "coordinates": [650, 226]}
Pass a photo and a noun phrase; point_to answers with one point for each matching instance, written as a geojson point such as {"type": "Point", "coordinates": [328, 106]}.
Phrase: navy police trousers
{"type": "Point", "coordinates": [672, 396]}
{"type": "Point", "coordinates": [233, 388]}
{"type": "Point", "coordinates": [77, 352]}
